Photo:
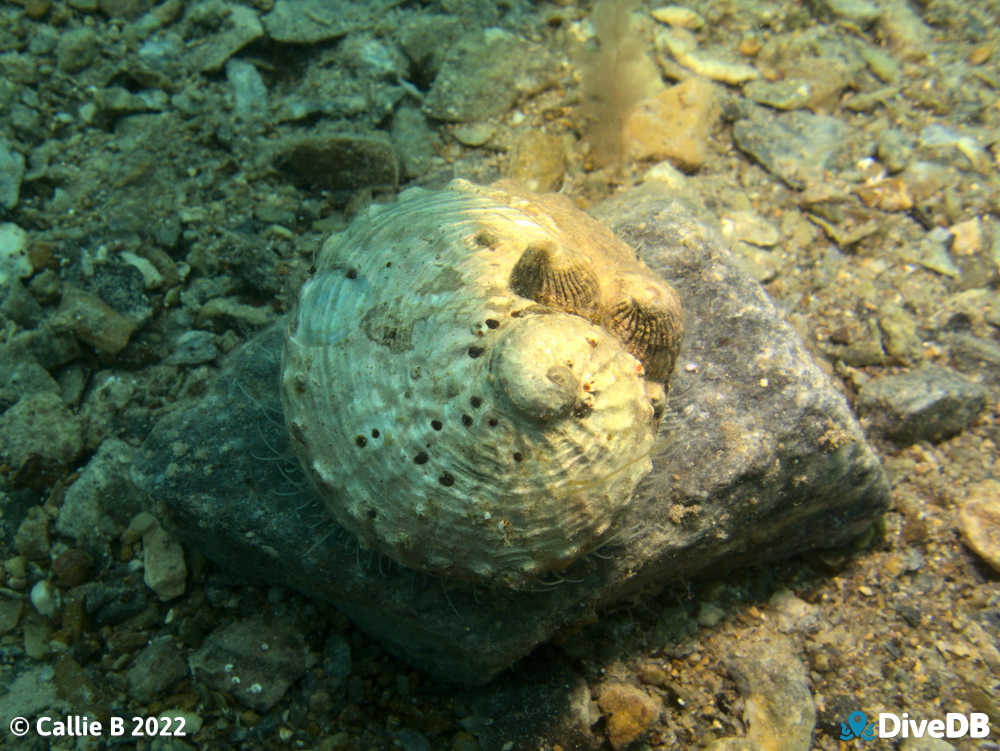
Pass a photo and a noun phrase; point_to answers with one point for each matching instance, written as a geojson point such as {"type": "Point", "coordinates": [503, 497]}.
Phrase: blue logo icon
{"type": "Point", "coordinates": [857, 726]}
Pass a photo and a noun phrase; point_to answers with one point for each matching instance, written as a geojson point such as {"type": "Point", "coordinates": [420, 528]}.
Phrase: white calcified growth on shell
{"type": "Point", "coordinates": [464, 380]}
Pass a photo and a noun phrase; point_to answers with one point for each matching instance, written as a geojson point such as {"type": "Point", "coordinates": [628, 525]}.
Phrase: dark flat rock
{"type": "Point", "coordinates": [758, 458]}
{"type": "Point", "coordinates": [484, 73]}
{"type": "Point", "coordinates": [929, 403]}
{"type": "Point", "coordinates": [310, 21]}
{"type": "Point", "coordinates": [794, 146]}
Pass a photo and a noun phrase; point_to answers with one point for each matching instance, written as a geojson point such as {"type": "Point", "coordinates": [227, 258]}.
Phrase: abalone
{"type": "Point", "coordinates": [474, 377]}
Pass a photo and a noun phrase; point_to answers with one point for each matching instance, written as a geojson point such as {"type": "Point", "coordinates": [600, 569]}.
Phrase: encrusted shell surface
{"type": "Point", "coordinates": [474, 377]}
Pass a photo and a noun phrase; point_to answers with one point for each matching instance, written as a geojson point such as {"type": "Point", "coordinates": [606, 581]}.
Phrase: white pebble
{"type": "Point", "coordinates": [678, 15]}
{"type": "Point", "coordinates": [14, 261]}
{"type": "Point", "coordinates": [45, 598]}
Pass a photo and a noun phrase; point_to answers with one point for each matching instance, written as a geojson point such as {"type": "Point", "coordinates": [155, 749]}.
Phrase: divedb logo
{"type": "Point", "coordinates": [890, 725]}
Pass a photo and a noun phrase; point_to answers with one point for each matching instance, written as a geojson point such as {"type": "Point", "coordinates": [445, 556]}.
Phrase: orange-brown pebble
{"type": "Point", "coordinates": [890, 194]}
{"type": "Point", "coordinates": [71, 567]}
{"type": "Point", "coordinates": [979, 521]}
{"type": "Point", "coordinates": [41, 255]}
{"type": "Point", "coordinates": [750, 45]}
{"type": "Point", "coordinates": [980, 54]}
{"type": "Point", "coordinates": [629, 711]}
{"type": "Point", "coordinates": [674, 125]}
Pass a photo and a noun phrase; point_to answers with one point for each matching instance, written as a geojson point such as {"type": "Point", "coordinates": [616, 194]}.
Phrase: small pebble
{"type": "Point", "coordinates": [967, 237]}
{"type": "Point", "coordinates": [45, 599]}
{"type": "Point", "coordinates": [14, 262]}
{"type": "Point", "coordinates": [890, 194]}
{"type": "Point", "coordinates": [71, 567]}
{"type": "Point", "coordinates": [255, 660]}
{"type": "Point", "coordinates": [77, 49]}
{"type": "Point", "coordinates": [930, 403]}
{"type": "Point", "coordinates": [11, 174]}
{"type": "Point", "coordinates": [92, 321]}
{"type": "Point", "coordinates": [194, 348]}
{"type": "Point", "coordinates": [980, 54]}
{"type": "Point", "coordinates": [151, 276]}
{"type": "Point", "coordinates": [895, 149]}
{"type": "Point", "coordinates": [793, 613]}
{"type": "Point", "coordinates": [37, 635]}
{"type": "Point", "coordinates": [10, 614]}
{"type": "Point", "coordinates": [774, 685]}
{"type": "Point", "coordinates": [709, 614]}
{"type": "Point", "coordinates": [628, 710]}
{"type": "Point", "coordinates": [473, 134]}
{"type": "Point", "coordinates": [654, 675]}
{"type": "Point", "coordinates": [678, 15]}
{"type": "Point", "coordinates": [141, 523]}
{"type": "Point", "coordinates": [538, 162]}
{"type": "Point", "coordinates": [860, 12]}
{"type": "Point", "coordinates": [411, 740]}
{"type": "Point", "coordinates": [925, 744]}
{"type": "Point", "coordinates": [32, 537]}
{"type": "Point", "coordinates": [674, 125]}
{"type": "Point", "coordinates": [979, 521]}
{"type": "Point", "coordinates": [16, 567]}
{"type": "Point", "coordinates": [36, 9]}
{"type": "Point", "coordinates": [163, 559]}
{"type": "Point", "coordinates": [683, 48]}
{"type": "Point", "coordinates": [750, 45]}
{"type": "Point", "coordinates": [156, 669]}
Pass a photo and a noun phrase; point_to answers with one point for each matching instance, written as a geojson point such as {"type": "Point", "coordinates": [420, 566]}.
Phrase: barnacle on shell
{"type": "Point", "coordinates": [558, 278]}
{"type": "Point", "coordinates": [466, 386]}
{"type": "Point", "coordinates": [646, 317]}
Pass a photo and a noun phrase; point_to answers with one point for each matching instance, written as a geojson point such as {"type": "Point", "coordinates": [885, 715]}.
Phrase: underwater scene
{"type": "Point", "coordinates": [500, 375]}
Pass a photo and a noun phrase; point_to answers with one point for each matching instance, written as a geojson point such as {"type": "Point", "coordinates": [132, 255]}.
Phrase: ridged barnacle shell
{"type": "Point", "coordinates": [474, 377]}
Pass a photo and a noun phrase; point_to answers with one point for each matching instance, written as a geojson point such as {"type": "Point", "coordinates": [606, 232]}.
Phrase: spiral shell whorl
{"type": "Point", "coordinates": [449, 422]}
